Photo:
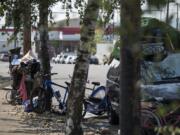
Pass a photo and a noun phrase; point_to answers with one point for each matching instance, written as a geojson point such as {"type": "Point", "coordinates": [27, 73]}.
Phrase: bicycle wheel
{"type": "Point", "coordinates": [38, 100]}
{"type": "Point", "coordinates": [9, 96]}
{"type": "Point", "coordinates": [149, 121]}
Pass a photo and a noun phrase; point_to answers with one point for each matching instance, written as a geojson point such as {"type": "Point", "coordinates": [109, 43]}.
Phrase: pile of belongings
{"type": "Point", "coordinates": [22, 71]}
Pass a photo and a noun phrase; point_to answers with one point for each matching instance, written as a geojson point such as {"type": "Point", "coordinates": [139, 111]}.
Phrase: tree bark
{"type": "Point", "coordinates": [129, 68]}
{"type": "Point", "coordinates": [44, 54]}
{"type": "Point", "coordinates": [78, 83]}
{"type": "Point", "coordinates": [27, 27]}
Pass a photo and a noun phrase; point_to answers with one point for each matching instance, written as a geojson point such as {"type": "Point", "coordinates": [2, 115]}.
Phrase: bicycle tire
{"type": "Point", "coordinates": [8, 97]}
{"type": "Point", "coordinates": [38, 100]}
{"type": "Point", "coordinates": [11, 97]}
{"type": "Point", "coordinates": [149, 121]}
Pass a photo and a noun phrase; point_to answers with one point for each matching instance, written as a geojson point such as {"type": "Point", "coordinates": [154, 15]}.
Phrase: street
{"type": "Point", "coordinates": [96, 72]}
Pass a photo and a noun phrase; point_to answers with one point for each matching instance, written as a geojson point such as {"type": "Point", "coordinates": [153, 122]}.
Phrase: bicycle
{"type": "Point", "coordinates": [149, 122]}
{"type": "Point", "coordinates": [150, 119]}
{"type": "Point", "coordinates": [38, 96]}
{"type": "Point", "coordinates": [98, 102]}
{"type": "Point", "coordinates": [13, 97]}
{"type": "Point", "coordinates": [173, 118]}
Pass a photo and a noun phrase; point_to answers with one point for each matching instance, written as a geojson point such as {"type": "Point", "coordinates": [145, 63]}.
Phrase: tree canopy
{"type": "Point", "coordinates": [150, 27]}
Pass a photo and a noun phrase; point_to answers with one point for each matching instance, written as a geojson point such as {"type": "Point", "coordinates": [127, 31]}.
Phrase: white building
{"type": "Point", "coordinates": [7, 40]}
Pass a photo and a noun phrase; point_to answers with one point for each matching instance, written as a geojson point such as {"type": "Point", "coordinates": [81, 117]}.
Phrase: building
{"type": "Point", "coordinates": [7, 41]}
{"type": "Point", "coordinates": [62, 39]}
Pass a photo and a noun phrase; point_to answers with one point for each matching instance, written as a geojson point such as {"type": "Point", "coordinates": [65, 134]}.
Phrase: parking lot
{"type": "Point", "coordinates": [96, 72]}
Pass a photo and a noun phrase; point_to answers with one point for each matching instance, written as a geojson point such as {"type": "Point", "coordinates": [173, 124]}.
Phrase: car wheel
{"type": "Point", "coordinates": [113, 117]}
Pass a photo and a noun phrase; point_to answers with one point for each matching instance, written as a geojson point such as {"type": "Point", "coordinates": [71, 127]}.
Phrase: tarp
{"type": "Point", "coordinates": [28, 56]}
{"type": "Point", "coordinates": [159, 79]}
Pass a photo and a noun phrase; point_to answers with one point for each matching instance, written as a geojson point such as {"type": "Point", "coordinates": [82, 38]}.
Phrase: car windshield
{"type": "Point", "coordinates": [167, 69]}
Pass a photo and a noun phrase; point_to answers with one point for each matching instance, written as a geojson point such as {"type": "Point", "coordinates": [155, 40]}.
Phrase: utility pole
{"type": "Point", "coordinates": [177, 19]}
{"type": "Point", "coordinates": [167, 13]}
{"type": "Point", "coordinates": [160, 14]}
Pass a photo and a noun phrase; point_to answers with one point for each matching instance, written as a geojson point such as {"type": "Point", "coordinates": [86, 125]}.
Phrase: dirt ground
{"type": "Point", "coordinates": [14, 121]}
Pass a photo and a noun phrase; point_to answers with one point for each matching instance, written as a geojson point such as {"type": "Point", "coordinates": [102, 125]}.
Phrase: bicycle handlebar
{"type": "Point", "coordinates": [50, 74]}
{"type": "Point", "coordinates": [58, 85]}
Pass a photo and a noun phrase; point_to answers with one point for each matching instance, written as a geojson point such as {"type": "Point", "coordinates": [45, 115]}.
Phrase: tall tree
{"type": "Point", "coordinates": [27, 26]}
{"type": "Point", "coordinates": [18, 13]}
{"type": "Point", "coordinates": [78, 83]}
{"type": "Point", "coordinates": [43, 30]}
{"type": "Point", "coordinates": [129, 67]}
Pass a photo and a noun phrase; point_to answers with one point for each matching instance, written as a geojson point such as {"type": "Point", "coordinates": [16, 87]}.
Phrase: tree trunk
{"type": "Point", "coordinates": [129, 68]}
{"type": "Point", "coordinates": [27, 27]}
{"type": "Point", "coordinates": [44, 54]}
{"type": "Point", "coordinates": [77, 89]}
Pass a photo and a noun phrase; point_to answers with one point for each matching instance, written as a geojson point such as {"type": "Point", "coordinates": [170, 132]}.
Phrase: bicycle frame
{"type": "Point", "coordinates": [48, 86]}
{"type": "Point", "coordinates": [103, 104]}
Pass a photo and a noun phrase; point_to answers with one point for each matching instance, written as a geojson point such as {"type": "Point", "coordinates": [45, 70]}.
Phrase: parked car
{"type": "Point", "coordinates": [73, 59]}
{"type": "Point", "coordinates": [160, 78]}
{"type": "Point", "coordinates": [62, 59]}
{"type": "Point", "coordinates": [67, 60]}
{"type": "Point", "coordinates": [53, 59]}
{"type": "Point", "coordinates": [94, 60]}
{"type": "Point", "coordinates": [57, 59]}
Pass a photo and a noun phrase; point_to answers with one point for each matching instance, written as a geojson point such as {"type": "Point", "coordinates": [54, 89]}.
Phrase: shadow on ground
{"type": "Point", "coordinates": [4, 81]}
{"type": "Point", "coordinates": [49, 123]}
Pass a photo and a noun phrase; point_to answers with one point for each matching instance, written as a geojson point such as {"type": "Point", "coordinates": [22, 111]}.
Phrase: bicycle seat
{"type": "Point", "coordinates": [96, 83]}
{"type": "Point", "coordinates": [67, 83]}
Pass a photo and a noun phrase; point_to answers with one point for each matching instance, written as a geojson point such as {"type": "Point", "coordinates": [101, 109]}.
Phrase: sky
{"type": "Point", "coordinates": [59, 13]}
{"type": "Point", "coordinates": [161, 15]}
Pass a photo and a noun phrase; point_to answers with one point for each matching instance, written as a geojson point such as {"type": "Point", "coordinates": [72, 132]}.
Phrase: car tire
{"type": "Point", "coordinates": [113, 117]}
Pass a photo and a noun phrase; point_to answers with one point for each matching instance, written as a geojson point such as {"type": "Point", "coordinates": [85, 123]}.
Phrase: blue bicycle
{"type": "Point", "coordinates": [39, 95]}
{"type": "Point", "coordinates": [98, 102]}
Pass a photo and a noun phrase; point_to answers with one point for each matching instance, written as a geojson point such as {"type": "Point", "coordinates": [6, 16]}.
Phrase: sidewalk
{"type": "Point", "coordinates": [4, 81]}
{"type": "Point", "coordinates": [14, 121]}
{"type": "Point", "coordinates": [9, 122]}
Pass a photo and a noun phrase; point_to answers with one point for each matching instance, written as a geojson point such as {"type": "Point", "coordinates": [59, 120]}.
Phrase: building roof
{"type": "Point", "coordinates": [67, 30]}
{"type": "Point", "coordinates": [64, 30]}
